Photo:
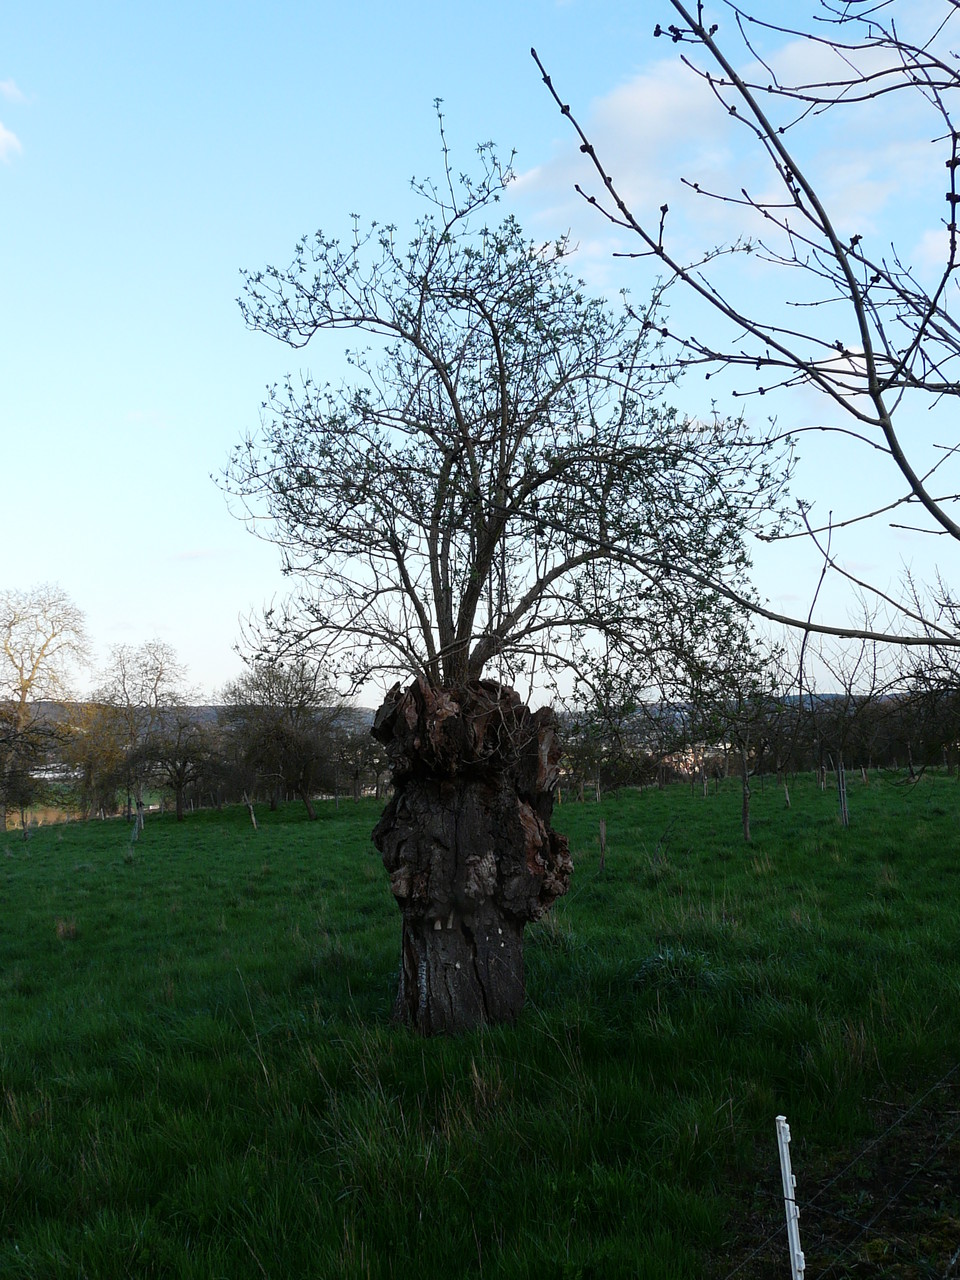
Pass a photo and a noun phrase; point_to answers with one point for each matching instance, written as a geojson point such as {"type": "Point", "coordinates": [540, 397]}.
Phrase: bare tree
{"type": "Point", "coordinates": [502, 484]}
{"type": "Point", "coordinates": [138, 683]}
{"type": "Point", "coordinates": [861, 678]}
{"type": "Point", "coordinates": [42, 638]}
{"type": "Point", "coordinates": [730, 688]}
{"type": "Point", "coordinates": [180, 752]}
{"type": "Point", "coordinates": [282, 717]}
{"type": "Point", "coordinates": [840, 311]}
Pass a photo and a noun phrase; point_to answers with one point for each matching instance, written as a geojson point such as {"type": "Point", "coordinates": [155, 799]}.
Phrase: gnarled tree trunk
{"type": "Point", "coordinates": [468, 845]}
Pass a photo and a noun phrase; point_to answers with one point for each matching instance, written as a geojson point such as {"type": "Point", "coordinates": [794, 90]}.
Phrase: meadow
{"type": "Point", "coordinates": [199, 1076]}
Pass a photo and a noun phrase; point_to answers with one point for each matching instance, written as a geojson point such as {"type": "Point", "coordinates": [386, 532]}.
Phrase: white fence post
{"type": "Point", "coordinates": [797, 1263]}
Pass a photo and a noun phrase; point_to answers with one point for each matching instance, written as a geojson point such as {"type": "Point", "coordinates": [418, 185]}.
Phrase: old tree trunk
{"type": "Point", "coordinates": [468, 845]}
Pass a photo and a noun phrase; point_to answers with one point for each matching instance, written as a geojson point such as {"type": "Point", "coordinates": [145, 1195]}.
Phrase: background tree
{"type": "Point", "coordinates": [736, 695]}
{"type": "Point", "coordinates": [180, 752]}
{"type": "Point", "coordinates": [623, 726]}
{"type": "Point", "coordinates": [839, 311]}
{"type": "Point", "coordinates": [922, 722]}
{"type": "Point", "coordinates": [501, 483]}
{"type": "Point", "coordinates": [365, 763]}
{"type": "Point", "coordinates": [281, 718]}
{"type": "Point", "coordinates": [95, 749]}
{"type": "Point", "coordinates": [42, 638]}
{"type": "Point", "coordinates": [857, 680]}
{"type": "Point", "coordinates": [138, 684]}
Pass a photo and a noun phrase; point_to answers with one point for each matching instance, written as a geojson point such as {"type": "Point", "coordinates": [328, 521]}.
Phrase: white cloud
{"type": "Point", "coordinates": [931, 251]}
{"type": "Point", "coordinates": [645, 132]}
{"type": "Point", "coordinates": [11, 92]}
{"type": "Point", "coordinates": [666, 125]}
{"type": "Point", "coordinates": [650, 132]}
{"type": "Point", "coordinates": [10, 144]}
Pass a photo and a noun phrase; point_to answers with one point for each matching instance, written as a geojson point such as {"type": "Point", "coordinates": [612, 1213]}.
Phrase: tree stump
{"type": "Point", "coordinates": [466, 840]}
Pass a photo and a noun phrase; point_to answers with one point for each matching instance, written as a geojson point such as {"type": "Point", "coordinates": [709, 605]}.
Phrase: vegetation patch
{"type": "Point", "coordinates": [204, 1079]}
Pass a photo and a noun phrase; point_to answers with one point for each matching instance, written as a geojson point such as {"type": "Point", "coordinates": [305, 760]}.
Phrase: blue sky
{"type": "Point", "coordinates": [147, 153]}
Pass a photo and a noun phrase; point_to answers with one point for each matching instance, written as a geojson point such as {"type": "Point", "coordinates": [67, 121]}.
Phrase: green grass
{"type": "Point", "coordinates": [198, 1076]}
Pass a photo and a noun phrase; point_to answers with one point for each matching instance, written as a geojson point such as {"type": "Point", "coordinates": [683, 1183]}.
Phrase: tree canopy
{"type": "Point", "coordinates": [502, 479]}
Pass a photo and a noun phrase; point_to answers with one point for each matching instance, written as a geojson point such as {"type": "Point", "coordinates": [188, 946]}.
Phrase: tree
{"type": "Point", "coordinates": [614, 734]}
{"type": "Point", "coordinates": [845, 719]}
{"type": "Point", "coordinates": [853, 320]}
{"type": "Point", "coordinates": [363, 759]}
{"type": "Point", "coordinates": [732, 692]}
{"type": "Point", "coordinates": [138, 684]}
{"type": "Point", "coordinates": [180, 750]}
{"type": "Point", "coordinates": [41, 637]}
{"type": "Point", "coordinates": [96, 747]}
{"type": "Point", "coordinates": [501, 484]}
{"type": "Point", "coordinates": [281, 717]}
{"type": "Point", "coordinates": [926, 708]}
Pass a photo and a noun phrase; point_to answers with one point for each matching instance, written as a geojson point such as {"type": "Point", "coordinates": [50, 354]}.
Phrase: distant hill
{"type": "Point", "coordinates": [357, 719]}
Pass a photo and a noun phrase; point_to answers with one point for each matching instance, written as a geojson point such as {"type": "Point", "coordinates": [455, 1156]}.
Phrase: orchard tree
{"type": "Point", "coordinates": [282, 718]}
{"type": "Point", "coordinates": [734, 693]}
{"type": "Point", "coordinates": [619, 726]}
{"type": "Point", "coordinates": [42, 635]}
{"type": "Point", "coordinates": [838, 309]}
{"type": "Point", "coordinates": [180, 752]}
{"type": "Point", "coordinates": [500, 483]}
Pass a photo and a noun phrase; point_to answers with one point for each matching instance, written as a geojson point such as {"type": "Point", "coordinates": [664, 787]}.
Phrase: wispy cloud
{"type": "Point", "coordinates": [10, 91]}
{"type": "Point", "coordinates": [645, 129]}
{"type": "Point", "coordinates": [10, 144]}
{"type": "Point", "coordinates": [932, 251]}
{"type": "Point", "coordinates": [664, 128]}
{"type": "Point", "coordinates": [196, 553]}
{"type": "Point", "coordinates": [650, 131]}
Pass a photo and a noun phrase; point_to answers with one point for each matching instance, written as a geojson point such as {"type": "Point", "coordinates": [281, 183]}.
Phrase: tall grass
{"type": "Point", "coordinates": [198, 1076]}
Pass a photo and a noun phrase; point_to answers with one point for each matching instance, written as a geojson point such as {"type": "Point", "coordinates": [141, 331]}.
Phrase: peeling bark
{"type": "Point", "coordinates": [468, 846]}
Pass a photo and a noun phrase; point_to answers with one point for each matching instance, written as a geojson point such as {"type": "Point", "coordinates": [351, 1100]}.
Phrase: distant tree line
{"type": "Point", "coordinates": [278, 732]}
{"type": "Point", "coordinates": [102, 758]}
{"type": "Point", "coordinates": [752, 713]}
{"type": "Point", "coordinates": [733, 708]}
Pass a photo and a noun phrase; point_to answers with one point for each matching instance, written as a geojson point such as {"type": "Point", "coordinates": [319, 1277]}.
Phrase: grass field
{"type": "Point", "coordinates": [198, 1076]}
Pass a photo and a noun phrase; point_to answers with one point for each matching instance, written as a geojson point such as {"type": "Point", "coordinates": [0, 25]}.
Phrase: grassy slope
{"type": "Point", "coordinates": [198, 1076]}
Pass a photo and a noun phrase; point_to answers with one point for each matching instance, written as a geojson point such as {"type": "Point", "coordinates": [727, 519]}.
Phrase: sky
{"type": "Point", "coordinates": [149, 152]}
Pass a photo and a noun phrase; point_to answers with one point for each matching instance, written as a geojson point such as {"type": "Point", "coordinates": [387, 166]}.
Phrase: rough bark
{"type": "Point", "coordinates": [466, 840]}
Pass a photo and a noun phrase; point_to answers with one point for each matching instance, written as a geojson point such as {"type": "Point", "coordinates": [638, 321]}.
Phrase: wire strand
{"type": "Point", "coordinates": [813, 1206]}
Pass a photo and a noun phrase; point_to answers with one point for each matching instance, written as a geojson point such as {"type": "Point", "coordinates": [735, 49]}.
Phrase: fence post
{"type": "Point", "coordinates": [842, 792]}
{"type": "Point", "coordinates": [797, 1263]}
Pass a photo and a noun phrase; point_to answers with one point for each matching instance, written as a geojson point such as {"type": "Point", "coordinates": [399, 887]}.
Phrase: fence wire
{"type": "Point", "coordinates": [815, 1209]}
{"type": "Point", "coordinates": [864, 1229]}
